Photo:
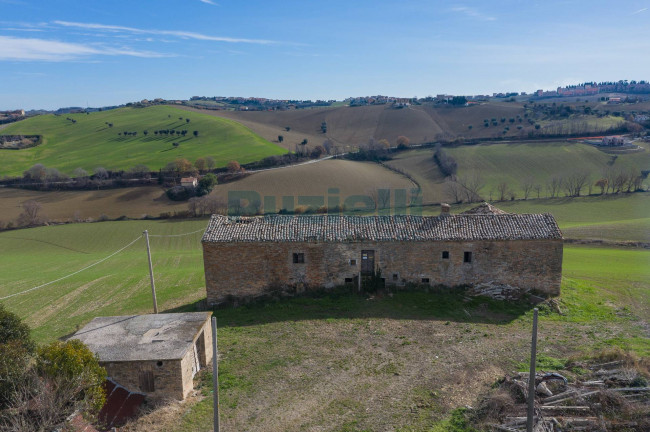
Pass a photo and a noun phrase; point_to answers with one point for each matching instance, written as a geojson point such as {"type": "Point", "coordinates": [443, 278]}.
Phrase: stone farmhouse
{"type": "Point", "coordinates": [247, 257]}
{"type": "Point", "coordinates": [157, 355]}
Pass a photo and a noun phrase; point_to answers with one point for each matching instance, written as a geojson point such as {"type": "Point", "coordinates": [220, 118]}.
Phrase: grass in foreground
{"type": "Point", "coordinates": [90, 142]}
{"type": "Point", "coordinates": [343, 362]}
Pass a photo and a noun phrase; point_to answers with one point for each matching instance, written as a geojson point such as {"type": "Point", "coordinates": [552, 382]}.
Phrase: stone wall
{"type": "Point", "coordinates": [171, 378]}
{"type": "Point", "coordinates": [167, 377]}
{"type": "Point", "coordinates": [248, 269]}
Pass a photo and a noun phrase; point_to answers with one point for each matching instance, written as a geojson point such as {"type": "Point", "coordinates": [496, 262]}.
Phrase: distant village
{"type": "Point", "coordinates": [618, 88]}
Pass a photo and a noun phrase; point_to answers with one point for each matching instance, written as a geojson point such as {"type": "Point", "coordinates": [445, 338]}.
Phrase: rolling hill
{"type": "Point", "coordinates": [348, 127]}
{"type": "Point", "coordinates": [515, 163]}
{"type": "Point", "coordinates": [88, 141]}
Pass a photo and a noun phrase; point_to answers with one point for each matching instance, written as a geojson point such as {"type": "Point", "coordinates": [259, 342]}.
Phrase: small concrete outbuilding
{"type": "Point", "coordinates": [157, 355]}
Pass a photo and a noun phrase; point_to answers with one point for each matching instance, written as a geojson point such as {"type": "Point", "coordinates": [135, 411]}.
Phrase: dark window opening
{"type": "Point", "coordinates": [395, 276]}
{"type": "Point", "coordinates": [445, 254]}
{"type": "Point", "coordinates": [467, 257]}
{"type": "Point", "coordinates": [349, 280]}
{"type": "Point", "coordinates": [353, 262]}
{"type": "Point", "coordinates": [425, 280]}
{"type": "Point", "coordinates": [159, 363]}
{"type": "Point", "coordinates": [299, 258]}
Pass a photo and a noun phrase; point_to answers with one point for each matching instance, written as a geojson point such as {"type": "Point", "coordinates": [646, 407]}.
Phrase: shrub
{"type": "Point", "coordinates": [180, 193]}
{"type": "Point", "coordinates": [77, 371]}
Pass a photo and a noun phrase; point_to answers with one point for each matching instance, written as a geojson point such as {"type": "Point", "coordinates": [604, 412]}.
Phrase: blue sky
{"type": "Point", "coordinates": [97, 53]}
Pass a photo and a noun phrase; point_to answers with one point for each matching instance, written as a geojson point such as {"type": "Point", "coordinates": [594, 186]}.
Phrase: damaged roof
{"type": "Point", "coordinates": [142, 337]}
{"type": "Point", "coordinates": [480, 225]}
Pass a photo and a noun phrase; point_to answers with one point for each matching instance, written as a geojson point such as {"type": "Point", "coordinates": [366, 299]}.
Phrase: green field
{"type": "Point", "coordinates": [90, 142]}
{"type": "Point", "coordinates": [118, 286]}
{"type": "Point", "coordinates": [617, 218]}
{"type": "Point", "coordinates": [345, 361]}
{"type": "Point", "coordinates": [514, 164]}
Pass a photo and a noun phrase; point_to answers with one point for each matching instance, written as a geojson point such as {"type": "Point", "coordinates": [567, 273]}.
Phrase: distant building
{"type": "Point", "coordinates": [157, 354]}
{"type": "Point", "coordinates": [613, 141]}
{"type": "Point", "coordinates": [189, 182]}
{"type": "Point", "coordinates": [246, 257]}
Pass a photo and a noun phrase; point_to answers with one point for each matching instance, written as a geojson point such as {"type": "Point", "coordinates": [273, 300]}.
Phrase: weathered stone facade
{"type": "Point", "coordinates": [142, 360]}
{"type": "Point", "coordinates": [243, 268]}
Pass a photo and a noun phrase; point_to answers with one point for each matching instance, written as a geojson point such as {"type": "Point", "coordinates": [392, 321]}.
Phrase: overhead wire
{"type": "Point", "coordinates": [98, 262]}
{"type": "Point", "coordinates": [71, 274]}
{"type": "Point", "coordinates": [177, 235]}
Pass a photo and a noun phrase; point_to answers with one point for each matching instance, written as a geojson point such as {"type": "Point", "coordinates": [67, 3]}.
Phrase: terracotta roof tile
{"type": "Point", "coordinates": [339, 228]}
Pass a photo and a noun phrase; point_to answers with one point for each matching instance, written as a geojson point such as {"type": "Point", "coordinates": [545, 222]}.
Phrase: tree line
{"type": "Point", "coordinates": [471, 187]}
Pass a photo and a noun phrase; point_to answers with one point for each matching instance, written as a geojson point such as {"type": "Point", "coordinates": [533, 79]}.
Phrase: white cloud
{"type": "Point", "coordinates": [25, 49]}
{"type": "Point", "coordinates": [210, 2]}
{"type": "Point", "coordinates": [177, 33]}
{"type": "Point", "coordinates": [473, 13]}
{"type": "Point", "coordinates": [639, 11]}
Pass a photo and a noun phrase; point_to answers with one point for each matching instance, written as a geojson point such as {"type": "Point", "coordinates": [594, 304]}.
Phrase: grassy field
{"type": "Point", "coordinates": [616, 218]}
{"type": "Point", "coordinates": [337, 363]}
{"type": "Point", "coordinates": [90, 142]}
{"type": "Point", "coordinates": [514, 164]}
{"type": "Point", "coordinates": [120, 285]}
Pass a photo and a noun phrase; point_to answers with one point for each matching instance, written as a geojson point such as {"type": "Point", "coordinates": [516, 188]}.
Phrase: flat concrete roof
{"type": "Point", "coordinates": [142, 337]}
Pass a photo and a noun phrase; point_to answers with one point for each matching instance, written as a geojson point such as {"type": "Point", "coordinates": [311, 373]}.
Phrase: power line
{"type": "Point", "coordinates": [177, 235]}
{"type": "Point", "coordinates": [71, 274]}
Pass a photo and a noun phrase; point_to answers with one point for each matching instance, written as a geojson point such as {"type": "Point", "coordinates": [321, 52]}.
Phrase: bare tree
{"type": "Point", "coordinates": [473, 183]}
{"type": "Point", "coordinates": [538, 189]}
{"type": "Point", "coordinates": [327, 145]}
{"type": "Point", "coordinates": [101, 173]}
{"type": "Point", "coordinates": [527, 186]}
{"type": "Point", "coordinates": [30, 215]}
{"type": "Point", "coordinates": [79, 173]}
{"type": "Point", "coordinates": [36, 172]}
{"type": "Point", "coordinates": [631, 180]}
{"type": "Point", "coordinates": [502, 189]}
{"type": "Point", "coordinates": [553, 186]}
{"type": "Point", "coordinates": [454, 189]}
{"type": "Point", "coordinates": [575, 182]}
{"type": "Point", "coordinates": [214, 205]}
{"type": "Point", "coordinates": [210, 162]}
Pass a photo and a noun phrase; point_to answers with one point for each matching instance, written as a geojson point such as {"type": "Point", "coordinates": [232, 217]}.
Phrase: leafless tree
{"type": "Point", "coordinates": [472, 183]}
{"type": "Point", "coordinates": [101, 173]}
{"type": "Point", "coordinates": [328, 145]}
{"type": "Point", "coordinates": [79, 173]}
{"type": "Point", "coordinates": [538, 189]}
{"type": "Point", "coordinates": [454, 189]}
{"type": "Point", "coordinates": [36, 172]}
{"type": "Point", "coordinates": [502, 189]}
{"type": "Point", "coordinates": [214, 205]}
{"type": "Point", "coordinates": [631, 180]}
{"type": "Point", "coordinates": [527, 186]}
{"type": "Point", "coordinates": [575, 182]}
{"type": "Point", "coordinates": [30, 215]}
{"type": "Point", "coordinates": [553, 186]}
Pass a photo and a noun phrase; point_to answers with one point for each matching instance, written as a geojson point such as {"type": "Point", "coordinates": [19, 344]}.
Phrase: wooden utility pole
{"type": "Point", "coordinates": [153, 284]}
{"type": "Point", "coordinates": [215, 375]}
{"type": "Point", "coordinates": [531, 377]}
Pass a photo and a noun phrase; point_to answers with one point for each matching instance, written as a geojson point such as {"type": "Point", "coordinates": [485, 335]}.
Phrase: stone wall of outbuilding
{"type": "Point", "coordinates": [171, 378]}
{"type": "Point", "coordinates": [241, 270]}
